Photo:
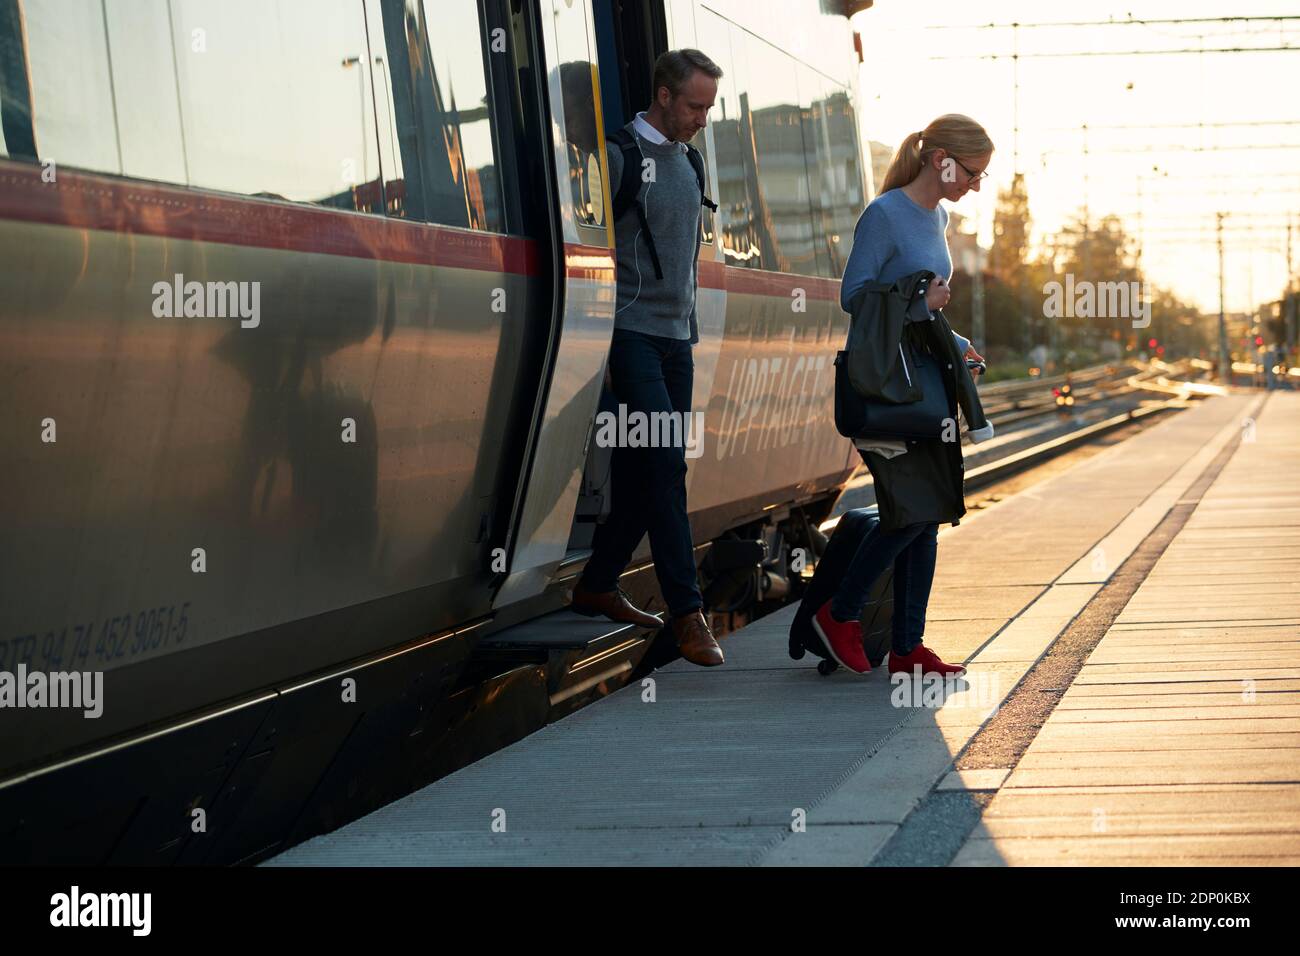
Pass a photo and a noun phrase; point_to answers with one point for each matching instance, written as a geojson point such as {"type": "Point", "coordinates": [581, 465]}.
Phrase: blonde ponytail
{"type": "Point", "coordinates": [958, 135]}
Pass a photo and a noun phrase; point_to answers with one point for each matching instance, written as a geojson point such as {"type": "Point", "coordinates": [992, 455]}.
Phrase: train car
{"type": "Point", "coordinates": [305, 315]}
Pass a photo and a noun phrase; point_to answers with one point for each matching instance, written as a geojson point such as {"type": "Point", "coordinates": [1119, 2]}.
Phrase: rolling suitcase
{"type": "Point", "coordinates": [876, 617]}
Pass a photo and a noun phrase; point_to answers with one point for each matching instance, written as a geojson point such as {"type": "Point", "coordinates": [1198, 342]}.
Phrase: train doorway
{"type": "Point", "coordinates": [629, 36]}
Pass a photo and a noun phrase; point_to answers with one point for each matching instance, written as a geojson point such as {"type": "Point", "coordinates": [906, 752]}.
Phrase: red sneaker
{"type": "Point", "coordinates": [842, 638]}
{"type": "Point", "coordinates": [927, 659]}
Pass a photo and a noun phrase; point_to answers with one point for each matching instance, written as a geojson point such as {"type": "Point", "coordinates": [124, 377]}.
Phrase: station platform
{"type": "Point", "coordinates": [1133, 694]}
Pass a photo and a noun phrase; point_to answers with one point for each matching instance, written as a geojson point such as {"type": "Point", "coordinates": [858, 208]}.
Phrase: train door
{"type": "Point", "coordinates": [576, 351]}
{"type": "Point", "coordinates": [629, 36]}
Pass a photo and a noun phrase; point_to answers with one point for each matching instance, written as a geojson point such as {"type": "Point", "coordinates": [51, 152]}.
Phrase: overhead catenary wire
{"type": "Point", "coordinates": [1149, 126]}
{"type": "Point", "coordinates": [1084, 53]}
{"type": "Point", "coordinates": [1131, 21]}
{"type": "Point", "coordinates": [1151, 148]}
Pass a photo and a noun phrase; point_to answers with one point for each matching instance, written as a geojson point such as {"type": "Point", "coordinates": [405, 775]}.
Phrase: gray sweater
{"type": "Point", "coordinates": [664, 306]}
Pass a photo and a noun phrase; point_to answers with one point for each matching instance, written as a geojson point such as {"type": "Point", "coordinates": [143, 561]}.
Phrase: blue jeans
{"type": "Point", "coordinates": [911, 549]}
{"type": "Point", "coordinates": [650, 373]}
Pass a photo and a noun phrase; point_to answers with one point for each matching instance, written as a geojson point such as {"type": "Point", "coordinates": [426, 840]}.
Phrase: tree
{"type": "Point", "coordinates": [1009, 263]}
{"type": "Point", "coordinates": [1099, 257]}
{"type": "Point", "coordinates": [1010, 250]}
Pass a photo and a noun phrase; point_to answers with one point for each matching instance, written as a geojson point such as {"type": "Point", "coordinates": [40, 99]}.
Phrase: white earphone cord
{"type": "Point", "coordinates": [636, 256]}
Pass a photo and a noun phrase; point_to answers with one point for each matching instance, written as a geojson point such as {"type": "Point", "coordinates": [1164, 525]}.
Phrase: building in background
{"type": "Point", "coordinates": [880, 157]}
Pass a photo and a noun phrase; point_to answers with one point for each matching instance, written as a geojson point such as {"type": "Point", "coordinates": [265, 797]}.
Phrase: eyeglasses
{"type": "Point", "coordinates": [973, 177]}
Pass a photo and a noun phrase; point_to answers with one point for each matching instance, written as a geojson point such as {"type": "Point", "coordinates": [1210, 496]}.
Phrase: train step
{"type": "Point", "coordinates": [585, 658]}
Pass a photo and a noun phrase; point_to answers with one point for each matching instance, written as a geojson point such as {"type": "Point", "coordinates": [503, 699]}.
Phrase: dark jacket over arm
{"type": "Point", "coordinates": [890, 320]}
{"type": "Point", "coordinates": [885, 317]}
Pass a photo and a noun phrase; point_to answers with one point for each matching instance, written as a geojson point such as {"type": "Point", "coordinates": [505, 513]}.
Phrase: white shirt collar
{"type": "Point", "coordinates": [646, 131]}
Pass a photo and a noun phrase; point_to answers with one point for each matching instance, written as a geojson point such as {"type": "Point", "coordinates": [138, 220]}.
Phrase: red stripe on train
{"type": "Point", "coordinates": [88, 201]}
{"type": "Point", "coordinates": [594, 263]}
{"type": "Point", "coordinates": [715, 275]}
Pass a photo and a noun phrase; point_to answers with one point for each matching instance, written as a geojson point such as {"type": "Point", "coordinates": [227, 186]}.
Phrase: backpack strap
{"type": "Point", "coordinates": [629, 186]}
{"type": "Point", "coordinates": [630, 183]}
{"type": "Point", "coordinates": [697, 163]}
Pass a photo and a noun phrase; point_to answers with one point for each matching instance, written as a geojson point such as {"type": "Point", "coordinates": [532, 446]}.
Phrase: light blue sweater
{"type": "Point", "coordinates": [895, 237]}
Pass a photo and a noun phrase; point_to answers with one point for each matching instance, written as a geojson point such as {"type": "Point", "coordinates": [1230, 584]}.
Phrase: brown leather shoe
{"type": "Point", "coordinates": [695, 640]}
{"type": "Point", "coordinates": [613, 604]}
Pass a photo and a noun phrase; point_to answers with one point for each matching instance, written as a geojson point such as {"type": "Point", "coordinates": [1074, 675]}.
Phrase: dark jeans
{"type": "Point", "coordinates": [911, 549]}
{"type": "Point", "coordinates": [650, 373]}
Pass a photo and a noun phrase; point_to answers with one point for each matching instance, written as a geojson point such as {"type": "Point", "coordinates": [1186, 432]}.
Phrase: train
{"type": "Point", "coordinates": [305, 318]}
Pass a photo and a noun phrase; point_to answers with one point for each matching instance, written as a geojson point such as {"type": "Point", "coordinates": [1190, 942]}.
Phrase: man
{"type": "Point", "coordinates": [657, 239]}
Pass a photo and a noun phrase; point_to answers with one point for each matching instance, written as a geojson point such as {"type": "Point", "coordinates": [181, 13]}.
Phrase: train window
{"type": "Point", "coordinates": [433, 100]}
{"type": "Point", "coordinates": [148, 109]}
{"type": "Point", "coordinates": [707, 224]}
{"type": "Point", "coordinates": [58, 104]}
{"type": "Point", "coordinates": [98, 83]}
{"type": "Point", "coordinates": [814, 98]}
{"type": "Point", "coordinates": [275, 99]}
{"type": "Point", "coordinates": [812, 95]}
{"type": "Point", "coordinates": [733, 162]}
{"type": "Point", "coordinates": [841, 198]}
{"type": "Point", "coordinates": [576, 79]}
{"type": "Point", "coordinates": [782, 217]}
{"type": "Point", "coordinates": [684, 35]}
{"type": "Point", "coordinates": [261, 97]}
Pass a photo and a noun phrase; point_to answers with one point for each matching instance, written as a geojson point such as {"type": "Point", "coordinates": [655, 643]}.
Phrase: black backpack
{"type": "Point", "coordinates": [629, 186]}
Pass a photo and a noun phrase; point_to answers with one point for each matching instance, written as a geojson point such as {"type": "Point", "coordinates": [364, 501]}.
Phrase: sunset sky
{"type": "Point", "coordinates": [1131, 105]}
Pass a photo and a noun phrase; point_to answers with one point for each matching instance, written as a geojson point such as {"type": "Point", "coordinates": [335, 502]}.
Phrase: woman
{"type": "Point", "coordinates": [902, 232]}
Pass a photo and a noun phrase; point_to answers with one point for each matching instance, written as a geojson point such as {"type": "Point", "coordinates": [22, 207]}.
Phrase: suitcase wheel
{"type": "Point", "coordinates": [826, 667]}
